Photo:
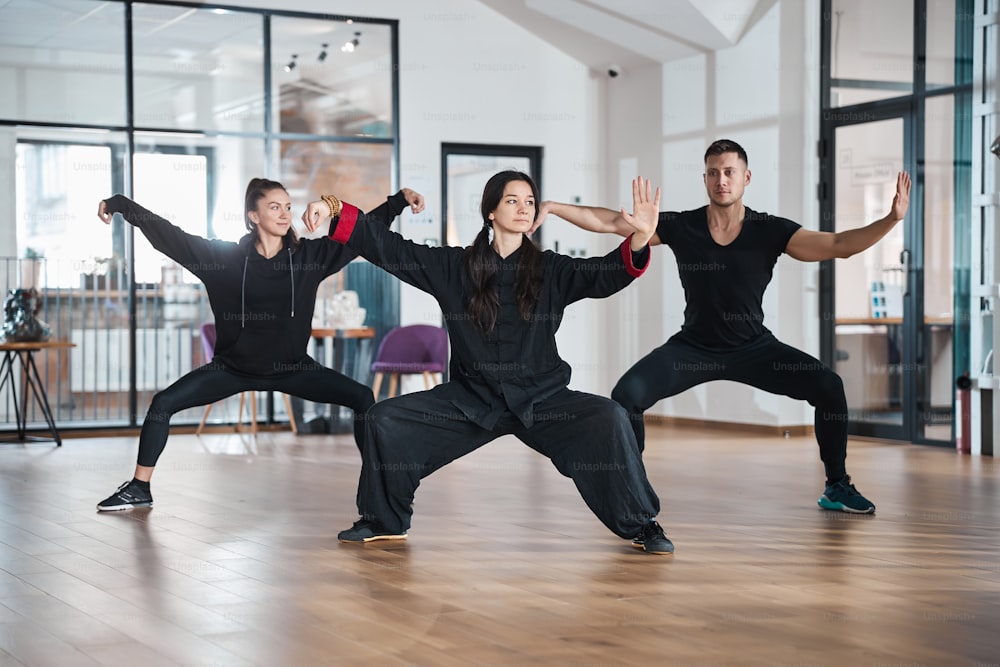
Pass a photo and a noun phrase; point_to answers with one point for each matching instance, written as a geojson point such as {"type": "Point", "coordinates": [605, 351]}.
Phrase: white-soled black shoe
{"type": "Point", "coordinates": [653, 540]}
{"type": "Point", "coordinates": [128, 496]}
{"type": "Point", "coordinates": [368, 531]}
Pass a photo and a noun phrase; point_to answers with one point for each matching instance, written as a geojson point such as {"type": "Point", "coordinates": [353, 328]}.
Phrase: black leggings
{"type": "Point", "coordinates": [214, 382]}
{"type": "Point", "coordinates": [764, 363]}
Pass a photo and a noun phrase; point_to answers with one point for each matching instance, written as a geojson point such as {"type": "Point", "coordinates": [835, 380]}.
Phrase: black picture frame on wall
{"type": "Point", "coordinates": [465, 168]}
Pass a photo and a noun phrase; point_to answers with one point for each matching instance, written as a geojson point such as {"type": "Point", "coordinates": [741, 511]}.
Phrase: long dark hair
{"type": "Point", "coordinates": [483, 265]}
{"type": "Point", "coordinates": [256, 189]}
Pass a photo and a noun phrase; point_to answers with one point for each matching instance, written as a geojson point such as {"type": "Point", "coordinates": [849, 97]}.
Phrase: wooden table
{"type": "Point", "coordinates": [31, 384]}
{"type": "Point", "coordinates": [894, 334]}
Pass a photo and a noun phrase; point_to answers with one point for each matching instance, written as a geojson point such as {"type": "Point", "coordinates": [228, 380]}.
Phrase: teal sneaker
{"type": "Point", "coordinates": [843, 497]}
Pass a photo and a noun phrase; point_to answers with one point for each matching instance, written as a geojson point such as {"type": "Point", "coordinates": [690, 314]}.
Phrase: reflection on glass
{"type": "Point", "coordinates": [941, 42]}
{"type": "Point", "coordinates": [198, 69]}
{"type": "Point", "coordinates": [360, 173]}
{"type": "Point", "coordinates": [869, 286]}
{"type": "Point", "coordinates": [332, 78]}
{"type": "Point", "coordinates": [56, 56]}
{"type": "Point", "coordinates": [878, 61]}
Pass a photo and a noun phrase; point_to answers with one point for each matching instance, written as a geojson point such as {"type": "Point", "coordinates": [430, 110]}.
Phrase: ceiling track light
{"type": "Point", "coordinates": [350, 45]}
{"type": "Point", "coordinates": [291, 63]}
{"type": "Point", "coordinates": [322, 54]}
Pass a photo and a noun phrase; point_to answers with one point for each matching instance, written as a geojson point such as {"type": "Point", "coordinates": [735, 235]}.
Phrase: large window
{"type": "Point", "coordinates": [55, 203]}
{"type": "Point", "coordinates": [216, 95]}
{"type": "Point", "coordinates": [332, 78]}
{"type": "Point", "coordinates": [63, 62]}
{"type": "Point", "coordinates": [867, 60]}
{"type": "Point", "coordinates": [198, 69]}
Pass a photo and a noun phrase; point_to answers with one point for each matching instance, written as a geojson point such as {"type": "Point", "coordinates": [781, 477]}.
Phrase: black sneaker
{"type": "Point", "coordinates": [652, 540]}
{"type": "Point", "coordinates": [368, 531]}
{"type": "Point", "coordinates": [843, 497]}
{"type": "Point", "coordinates": [128, 496]}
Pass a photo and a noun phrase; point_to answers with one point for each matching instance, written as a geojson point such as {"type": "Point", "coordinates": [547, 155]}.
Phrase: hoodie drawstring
{"type": "Point", "coordinates": [243, 294]}
{"type": "Point", "coordinates": [291, 275]}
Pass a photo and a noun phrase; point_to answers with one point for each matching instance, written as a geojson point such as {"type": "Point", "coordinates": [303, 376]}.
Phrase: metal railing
{"type": "Point", "coordinates": [90, 385]}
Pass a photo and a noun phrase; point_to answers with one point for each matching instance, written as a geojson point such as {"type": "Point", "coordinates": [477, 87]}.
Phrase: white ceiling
{"type": "Point", "coordinates": [633, 33]}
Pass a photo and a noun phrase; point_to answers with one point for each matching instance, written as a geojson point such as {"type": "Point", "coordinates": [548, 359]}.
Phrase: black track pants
{"type": "Point", "coordinates": [765, 363]}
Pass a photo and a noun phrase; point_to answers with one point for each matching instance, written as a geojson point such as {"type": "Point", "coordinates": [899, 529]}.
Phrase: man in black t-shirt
{"type": "Point", "coordinates": [725, 257]}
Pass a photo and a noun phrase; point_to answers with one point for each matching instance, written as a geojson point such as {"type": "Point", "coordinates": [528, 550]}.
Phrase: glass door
{"type": "Point", "coordinates": [873, 351]}
{"type": "Point", "coordinates": [893, 306]}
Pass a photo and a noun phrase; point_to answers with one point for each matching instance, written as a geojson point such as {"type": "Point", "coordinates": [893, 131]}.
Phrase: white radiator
{"type": "Point", "coordinates": [99, 362]}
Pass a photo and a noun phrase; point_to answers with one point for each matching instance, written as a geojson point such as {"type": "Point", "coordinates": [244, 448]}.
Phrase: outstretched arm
{"type": "Point", "coordinates": [590, 218]}
{"type": "Point", "coordinates": [426, 268]}
{"type": "Point", "coordinates": [186, 249]}
{"type": "Point", "coordinates": [598, 277]}
{"type": "Point", "coordinates": [809, 246]}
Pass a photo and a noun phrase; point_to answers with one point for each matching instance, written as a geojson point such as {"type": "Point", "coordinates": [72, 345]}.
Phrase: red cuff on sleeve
{"type": "Point", "coordinates": [345, 223]}
{"type": "Point", "coordinates": [633, 271]}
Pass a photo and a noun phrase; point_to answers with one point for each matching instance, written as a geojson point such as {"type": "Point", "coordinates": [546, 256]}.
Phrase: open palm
{"type": "Point", "coordinates": [901, 202]}
{"type": "Point", "coordinates": [645, 208]}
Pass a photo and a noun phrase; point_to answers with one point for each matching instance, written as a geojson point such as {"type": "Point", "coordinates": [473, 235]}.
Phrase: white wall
{"type": "Point", "coordinates": [763, 93]}
{"type": "Point", "coordinates": [635, 112]}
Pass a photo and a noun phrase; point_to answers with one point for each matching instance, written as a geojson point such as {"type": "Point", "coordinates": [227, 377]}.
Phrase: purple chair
{"type": "Point", "coordinates": [409, 350]}
{"type": "Point", "coordinates": [208, 348]}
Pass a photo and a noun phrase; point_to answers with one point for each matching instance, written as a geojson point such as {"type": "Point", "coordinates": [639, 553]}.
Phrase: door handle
{"type": "Point", "coordinates": [904, 259]}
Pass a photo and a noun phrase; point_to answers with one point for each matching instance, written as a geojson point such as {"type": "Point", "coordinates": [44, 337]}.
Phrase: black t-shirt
{"type": "Point", "coordinates": [724, 285]}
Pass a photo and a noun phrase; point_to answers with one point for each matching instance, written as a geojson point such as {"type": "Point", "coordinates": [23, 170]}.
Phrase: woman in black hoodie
{"type": "Point", "coordinates": [262, 291]}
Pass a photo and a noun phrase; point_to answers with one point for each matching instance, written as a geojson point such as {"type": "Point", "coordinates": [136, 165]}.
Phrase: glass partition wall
{"type": "Point", "coordinates": [896, 324]}
{"type": "Point", "coordinates": [178, 107]}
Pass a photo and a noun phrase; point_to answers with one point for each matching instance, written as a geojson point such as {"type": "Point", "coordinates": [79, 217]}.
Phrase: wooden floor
{"type": "Point", "coordinates": [238, 564]}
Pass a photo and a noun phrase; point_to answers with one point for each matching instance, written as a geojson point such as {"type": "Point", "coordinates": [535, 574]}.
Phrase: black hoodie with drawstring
{"type": "Point", "coordinates": [263, 307]}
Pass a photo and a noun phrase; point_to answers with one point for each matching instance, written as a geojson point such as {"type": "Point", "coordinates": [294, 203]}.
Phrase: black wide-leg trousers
{"type": "Point", "coordinates": [587, 437]}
